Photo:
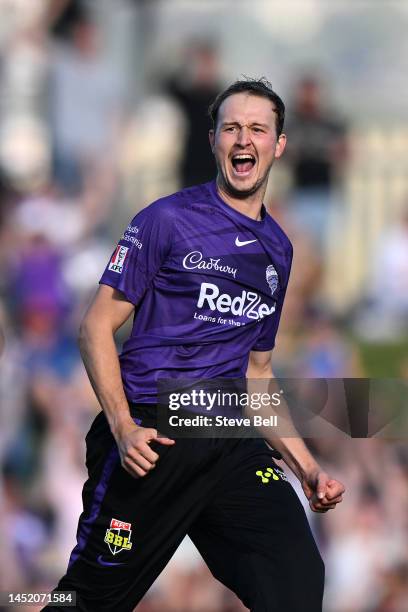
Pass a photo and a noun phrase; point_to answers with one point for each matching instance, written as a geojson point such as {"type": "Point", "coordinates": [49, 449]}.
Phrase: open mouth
{"type": "Point", "coordinates": [243, 163]}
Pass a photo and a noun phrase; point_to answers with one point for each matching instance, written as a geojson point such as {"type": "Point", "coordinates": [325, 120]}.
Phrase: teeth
{"type": "Point", "coordinates": [243, 156]}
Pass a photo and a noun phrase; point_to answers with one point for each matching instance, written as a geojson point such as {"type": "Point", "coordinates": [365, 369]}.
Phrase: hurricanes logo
{"type": "Point", "coordinates": [272, 278]}
{"type": "Point", "coordinates": [274, 473]}
{"type": "Point", "coordinates": [118, 536]}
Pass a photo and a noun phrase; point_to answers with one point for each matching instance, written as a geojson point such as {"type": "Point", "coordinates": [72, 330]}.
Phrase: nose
{"type": "Point", "coordinates": [243, 137]}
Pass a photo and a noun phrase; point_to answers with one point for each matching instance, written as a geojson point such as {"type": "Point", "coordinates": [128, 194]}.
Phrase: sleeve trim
{"type": "Point", "coordinates": [129, 297]}
{"type": "Point", "coordinates": [266, 347]}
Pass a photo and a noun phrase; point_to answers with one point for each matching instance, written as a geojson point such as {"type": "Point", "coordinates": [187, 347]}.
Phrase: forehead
{"type": "Point", "coordinates": [246, 108]}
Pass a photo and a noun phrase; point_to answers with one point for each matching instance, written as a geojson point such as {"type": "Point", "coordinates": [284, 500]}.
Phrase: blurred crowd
{"type": "Point", "coordinates": [78, 158]}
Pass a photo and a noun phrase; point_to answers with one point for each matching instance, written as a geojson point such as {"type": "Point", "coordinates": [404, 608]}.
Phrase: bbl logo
{"type": "Point", "coordinates": [118, 536]}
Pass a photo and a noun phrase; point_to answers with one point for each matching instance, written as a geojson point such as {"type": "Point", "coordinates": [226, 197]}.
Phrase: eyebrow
{"type": "Point", "coordinates": [255, 123]}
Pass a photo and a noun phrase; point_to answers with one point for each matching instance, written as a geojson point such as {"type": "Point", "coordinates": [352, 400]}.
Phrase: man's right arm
{"type": "Point", "coordinates": [106, 314]}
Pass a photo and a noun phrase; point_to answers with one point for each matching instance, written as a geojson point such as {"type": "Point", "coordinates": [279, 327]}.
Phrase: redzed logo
{"type": "Point", "coordinates": [247, 304]}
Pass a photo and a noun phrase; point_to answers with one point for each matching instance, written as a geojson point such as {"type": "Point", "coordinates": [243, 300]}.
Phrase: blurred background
{"type": "Point", "coordinates": [102, 110]}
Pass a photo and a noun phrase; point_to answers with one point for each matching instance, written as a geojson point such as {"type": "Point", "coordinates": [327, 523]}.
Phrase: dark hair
{"type": "Point", "coordinates": [257, 87]}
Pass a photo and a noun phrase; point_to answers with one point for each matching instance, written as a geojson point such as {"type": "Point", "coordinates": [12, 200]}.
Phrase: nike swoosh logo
{"type": "Point", "coordinates": [240, 243]}
{"type": "Point", "coordinates": [102, 562]}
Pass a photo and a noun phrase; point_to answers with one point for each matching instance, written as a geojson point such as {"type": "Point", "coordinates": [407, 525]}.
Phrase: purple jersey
{"type": "Point", "coordinates": [208, 284]}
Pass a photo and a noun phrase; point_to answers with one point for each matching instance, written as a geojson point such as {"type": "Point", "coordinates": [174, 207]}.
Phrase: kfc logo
{"type": "Point", "coordinates": [118, 259]}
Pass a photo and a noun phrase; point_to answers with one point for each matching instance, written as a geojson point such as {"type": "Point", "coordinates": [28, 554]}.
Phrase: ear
{"type": "Point", "coordinates": [280, 146]}
{"type": "Point", "coordinates": [211, 138]}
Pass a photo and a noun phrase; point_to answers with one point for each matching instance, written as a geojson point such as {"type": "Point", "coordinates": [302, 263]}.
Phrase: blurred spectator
{"type": "Point", "coordinates": [13, 397]}
{"type": "Point", "coordinates": [195, 87]}
{"type": "Point", "coordinates": [24, 147]}
{"type": "Point", "coordinates": [355, 560]}
{"type": "Point", "coordinates": [151, 149]}
{"type": "Point", "coordinates": [366, 551]}
{"type": "Point", "coordinates": [394, 597]}
{"type": "Point", "coordinates": [86, 104]}
{"type": "Point", "coordinates": [324, 352]}
{"type": "Point", "coordinates": [316, 152]}
{"type": "Point", "coordinates": [23, 536]}
{"type": "Point", "coordinates": [385, 313]}
{"type": "Point", "coordinates": [41, 300]}
{"type": "Point", "coordinates": [306, 274]}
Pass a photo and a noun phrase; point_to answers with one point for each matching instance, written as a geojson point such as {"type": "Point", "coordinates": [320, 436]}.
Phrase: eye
{"type": "Point", "coordinates": [229, 128]}
{"type": "Point", "coordinates": [258, 130]}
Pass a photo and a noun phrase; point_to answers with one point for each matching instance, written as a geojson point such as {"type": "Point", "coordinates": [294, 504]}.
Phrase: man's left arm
{"type": "Point", "coordinates": [322, 491]}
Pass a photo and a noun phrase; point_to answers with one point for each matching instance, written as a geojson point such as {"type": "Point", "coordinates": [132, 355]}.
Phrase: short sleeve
{"type": "Point", "coordinates": [140, 253]}
{"type": "Point", "coordinates": [270, 324]}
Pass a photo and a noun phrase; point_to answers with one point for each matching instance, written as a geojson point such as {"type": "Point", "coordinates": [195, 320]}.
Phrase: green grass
{"type": "Point", "coordinates": [384, 360]}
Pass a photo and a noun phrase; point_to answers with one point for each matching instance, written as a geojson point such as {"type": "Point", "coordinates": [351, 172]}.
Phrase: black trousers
{"type": "Point", "coordinates": [245, 519]}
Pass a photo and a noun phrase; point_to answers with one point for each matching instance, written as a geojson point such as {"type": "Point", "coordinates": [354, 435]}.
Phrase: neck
{"type": "Point", "coordinates": [250, 205]}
